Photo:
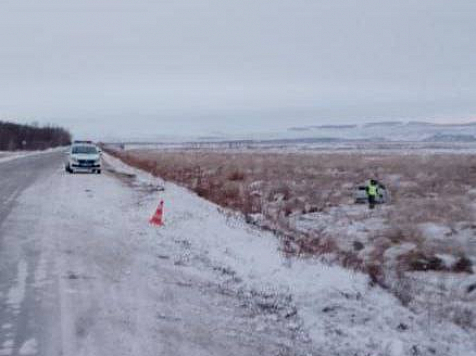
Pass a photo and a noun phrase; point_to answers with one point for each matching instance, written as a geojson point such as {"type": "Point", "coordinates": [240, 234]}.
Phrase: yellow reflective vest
{"type": "Point", "coordinates": [372, 190]}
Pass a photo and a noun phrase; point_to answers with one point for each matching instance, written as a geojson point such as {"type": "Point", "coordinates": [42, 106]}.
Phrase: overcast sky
{"type": "Point", "coordinates": [117, 68]}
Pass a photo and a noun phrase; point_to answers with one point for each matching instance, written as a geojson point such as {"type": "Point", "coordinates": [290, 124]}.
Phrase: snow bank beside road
{"type": "Point", "coordinates": [336, 308]}
{"type": "Point", "coordinates": [10, 156]}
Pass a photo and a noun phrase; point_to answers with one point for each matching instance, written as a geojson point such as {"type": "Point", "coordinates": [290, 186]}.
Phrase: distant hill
{"type": "Point", "coordinates": [447, 125]}
{"type": "Point", "coordinates": [384, 123]}
{"type": "Point", "coordinates": [420, 123]}
{"type": "Point", "coordinates": [15, 137]}
{"type": "Point", "coordinates": [412, 131]}
{"type": "Point", "coordinates": [299, 129]}
{"type": "Point", "coordinates": [451, 138]}
{"type": "Point", "coordinates": [322, 127]}
{"type": "Point", "coordinates": [334, 127]}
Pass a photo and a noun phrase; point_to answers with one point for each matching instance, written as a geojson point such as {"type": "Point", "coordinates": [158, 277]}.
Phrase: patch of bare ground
{"type": "Point", "coordinates": [307, 200]}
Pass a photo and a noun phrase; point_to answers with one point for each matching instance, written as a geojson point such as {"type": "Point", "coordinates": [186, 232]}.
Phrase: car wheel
{"type": "Point", "coordinates": [98, 171]}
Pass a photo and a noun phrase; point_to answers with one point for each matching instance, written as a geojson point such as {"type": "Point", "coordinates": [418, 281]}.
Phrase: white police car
{"type": "Point", "coordinates": [83, 156]}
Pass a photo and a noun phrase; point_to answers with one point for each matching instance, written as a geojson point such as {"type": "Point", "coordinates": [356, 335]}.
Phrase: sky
{"type": "Point", "coordinates": [116, 68]}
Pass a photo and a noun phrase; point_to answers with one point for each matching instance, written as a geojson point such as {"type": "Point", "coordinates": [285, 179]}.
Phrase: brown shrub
{"type": "Point", "coordinates": [418, 261]}
{"type": "Point", "coordinates": [377, 276]}
{"type": "Point", "coordinates": [317, 246]}
{"type": "Point", "coordinates": [236, 175]}
{"type": "Point", "coordinates": [398, 234]}
{"type": "Point", "coordinates": [463, 265]}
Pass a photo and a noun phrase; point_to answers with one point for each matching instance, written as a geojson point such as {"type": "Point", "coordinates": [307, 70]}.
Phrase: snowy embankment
{"type": "Point", "coordinates": [6, 156]}
{"type": "Point", "coordinates": [9, 156]}
{"type": "Point", "coordinates": [337, 310]}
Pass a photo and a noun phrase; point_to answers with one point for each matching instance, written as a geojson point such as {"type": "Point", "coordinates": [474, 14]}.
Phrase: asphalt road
{"type": "Point", "coordinates": [19, 174]}
{"type": "Point", "coordinates": [18, 254]}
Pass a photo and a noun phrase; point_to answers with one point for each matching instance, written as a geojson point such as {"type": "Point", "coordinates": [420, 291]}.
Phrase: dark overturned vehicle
{"type": "Point", "coordinates": [361, 194]}
{"type": "Point", "coordinates": [83, 157]}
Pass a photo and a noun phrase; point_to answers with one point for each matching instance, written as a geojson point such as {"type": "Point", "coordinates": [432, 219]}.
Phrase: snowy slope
{"type": "Point", "coordinates": [336, 309]}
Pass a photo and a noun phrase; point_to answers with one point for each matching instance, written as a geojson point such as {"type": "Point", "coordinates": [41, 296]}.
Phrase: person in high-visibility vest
{"type": "Point", "coordinates": [372, 192]}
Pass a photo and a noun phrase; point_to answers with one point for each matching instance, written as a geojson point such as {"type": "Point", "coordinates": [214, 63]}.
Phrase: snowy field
{"type": "Point", "coordinates": [338, 312]}
{"type": "Point", "coordinates": [421, 247]}
{"type": "Point", "coordinates": [313, 146]}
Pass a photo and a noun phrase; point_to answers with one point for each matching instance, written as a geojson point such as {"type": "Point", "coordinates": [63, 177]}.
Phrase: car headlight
{"type": "Point", "coordinates": [74, 160]}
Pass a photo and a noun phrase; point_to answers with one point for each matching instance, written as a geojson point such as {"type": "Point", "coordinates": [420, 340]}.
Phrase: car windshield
{"type": "Point", "coordinates": [84, 149]}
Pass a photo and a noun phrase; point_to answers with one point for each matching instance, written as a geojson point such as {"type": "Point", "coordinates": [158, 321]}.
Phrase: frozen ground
{"type": "Point", "coordinates": [337, 309]}
{"type": "Point", "coordinates": [83, 273]}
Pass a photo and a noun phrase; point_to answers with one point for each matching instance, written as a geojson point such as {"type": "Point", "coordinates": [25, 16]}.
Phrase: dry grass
{"type": "Point", "coordinates": [277, 187]}
{"type": "Point", "coordinates": [428, 188]}
{"type": "Point", "coordinates": [424, 188]}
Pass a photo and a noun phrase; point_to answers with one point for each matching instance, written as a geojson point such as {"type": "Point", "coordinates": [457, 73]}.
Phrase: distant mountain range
{"type": "Point", "coordinates": [379, 131]}
{"type": "Point", "coordinates": [383, 124]}
{"type": "Point", "coordinates": [416, 131]}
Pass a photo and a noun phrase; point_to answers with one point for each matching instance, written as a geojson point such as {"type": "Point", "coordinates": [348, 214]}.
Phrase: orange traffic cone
{"type": "Point", "coordinates": [157, 218]}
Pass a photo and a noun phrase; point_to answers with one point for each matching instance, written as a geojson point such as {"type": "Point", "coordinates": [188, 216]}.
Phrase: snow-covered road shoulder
{"type": "Point", "coordinates": [7, 156]}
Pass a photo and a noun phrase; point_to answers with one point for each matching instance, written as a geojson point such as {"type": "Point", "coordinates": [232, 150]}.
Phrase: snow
{"type": "Point", "coordinates": [6, 156]}
{"type": "Point", "coordinates": [435, 231]}
{"type": "Point", "coordinates": [338, 309]}
{"type": "Point", "coordinates": [206, 283]}
{"type": "Point", "coordinates": [101, 281]}
{"type": "Point", "coordinates": [346, 224]}
{"type": "Point", "coordinates": [9, 156]}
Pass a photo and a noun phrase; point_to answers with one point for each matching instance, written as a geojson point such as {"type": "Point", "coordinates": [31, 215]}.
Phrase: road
{"type": "Point", "coordinates": [82, 273]}
{"type": "Point", "coordinates": [19, 174]}
{"type": "Point", "coordinates": [20, 307]}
